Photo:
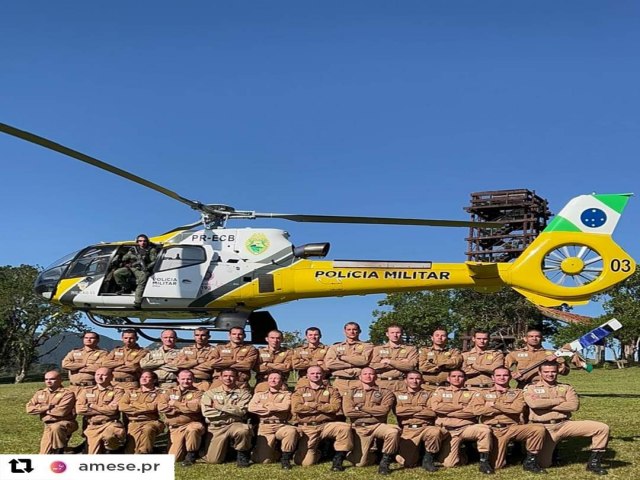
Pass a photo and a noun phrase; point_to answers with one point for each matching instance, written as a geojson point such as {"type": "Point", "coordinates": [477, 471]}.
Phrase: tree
{"type": "Point", "coordinates": [418, 313]}
{"type": "Point", "coordinates": [623, 303]}
{"type": "Point", "coordinates": [292, 339]}
{"type": "Point", "coordinates": [27, 320]}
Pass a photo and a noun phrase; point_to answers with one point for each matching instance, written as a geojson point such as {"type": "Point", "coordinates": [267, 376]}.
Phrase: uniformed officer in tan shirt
{"type": "Point", "coordinates": [273, 408]}
{"type": "Point", "coordinates": [55, 407]}
{"type": "Point", "coordinates": [181, 408]}
{"type": "Point", "coordinates": [125, 361]}
{"type": "Point", "coordinates": [99, 405]}
{"type": "Point", "coordinates": [367, 406]}
{"type": "Point", "coordinates": [236, 355]}
{"type": "Point", "coordinates": [272, 358]}
{"type": "Point", "coordinates": [524, 362]}
{"type": "Point", "coordinates": [435, 362]}
{"type": "Point", "coordinates": [311, 354]}
{"type": "Point", "coordinates": [393, 360]}
{"type": "Point", "coordinates": [225, 409]}
{"type": "Point", "coordinates": [480, 362]}
{"type": "Point", "coordinates": [196, 358]}
{"type": "Point", "coordinates": [140, 405]}
{"type": "Point", "coordinates": [82, 363]}
{"type": "Point", "coordinates": [316, 407]}
{"type": "Point", "coordinates": [417, 421]}
{"type": "Point", "coordinates": [454, 414]}
{"type": "Point", "coordinates": [162, 360]}
{"type": "Point", "coordinates": [502, 408]}
{"type": "Point", "coordinates": [346, 359]}
{"type": "Point", "coordinates": [551, 405]}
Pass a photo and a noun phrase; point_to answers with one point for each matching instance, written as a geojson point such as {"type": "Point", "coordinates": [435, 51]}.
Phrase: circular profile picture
{"type": "Point", "coordinates": [58, 466]}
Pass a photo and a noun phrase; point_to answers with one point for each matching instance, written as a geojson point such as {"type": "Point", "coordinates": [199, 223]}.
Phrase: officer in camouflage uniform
{"type": "Point", "coordinates": [502, 409]}
{"type": "Point", "coordinates": [99, 405]}
{"type": "Point", "coordinates": [82, 363]}
{"type": "Point", "coordinates": [139, 262]}
{"type": "Point", "coordinates": [181, 408]}
{"type": "Point", "coordinates": [417, 421]}
{"type": "Point", "coordinates": [346, 359]}
{"type": "Point", "coordinates": [162, 360]}
{"type": "Point", "coordinates": [55, 406]}
{"type": "Point", "coordinates": [225, 409]}
{"type": "Point", "coordinates": [551, 405]}
{"type": "Point", "coordinates": [124, 361]}
{"type": "Point", "coordinates": [393, 360]}
{"type": "Point", "coordinates": [273, 408]}
{"type": "Point", "coordinates": [140, 405]}
{"type": "Point", "coordinates": [437, 361]}
{"type": "Point", "coordinates": [480, 362]}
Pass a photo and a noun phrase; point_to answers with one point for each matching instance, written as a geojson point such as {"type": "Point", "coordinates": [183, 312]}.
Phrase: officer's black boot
{"type": "Point", "coordinates": [189, 459]}
{"type": "Point", "coordinates": [594, 465]}
{"type": "Point", "coordinates": [385, 464]}
{"type": "Point", "coordinates": [338, 458]}
{"type": "Point", "coordinates": [285, 461]}
{"type": "Point", "coordinates": [58, 451]}
{"type": "Point", "coordinates": [243, 459]}
{"type": "Point", "coordinates": [555, 458]}
{"type": "Point", "coordinates": [530, 464]}
{"type": "Point", "coordinates": [485, 466]}
{"type": "Point", "coordinates": [427, 463]}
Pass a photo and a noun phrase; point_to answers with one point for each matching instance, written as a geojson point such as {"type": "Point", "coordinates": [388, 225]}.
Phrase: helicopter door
{"type": "Point", "coordinates": [179, 272]}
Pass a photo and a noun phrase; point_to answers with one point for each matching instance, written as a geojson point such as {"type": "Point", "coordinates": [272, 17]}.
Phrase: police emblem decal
{"type": "Point", "coordinates": [257, 243]}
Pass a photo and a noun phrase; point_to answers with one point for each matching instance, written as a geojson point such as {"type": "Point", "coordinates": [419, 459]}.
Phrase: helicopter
{"type": "Point", "coordinates": [208, 274]}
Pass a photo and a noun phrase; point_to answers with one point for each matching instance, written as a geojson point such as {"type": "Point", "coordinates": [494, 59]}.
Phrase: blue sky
{"type": "Point", "coordinates": [367, 108]}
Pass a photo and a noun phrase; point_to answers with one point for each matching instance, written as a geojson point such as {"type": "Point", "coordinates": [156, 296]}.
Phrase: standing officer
{"type": "Point", "coordinates": [55, 406]}
{"type": "Point", "coordinates": [311, 354]}
{"type": "Point", "coordinates": [551, 404]}
{"type": "Point", "coordinates": [181, 408]}
{"type": "Point", "coordinates": [417, 421]}
{"type": "Point", "coordinates": [393, 360]}
{"type": "Point", "coordinates": [367, 406]}
{"type": "Point", "coordinates": [162, 360]}
{"type": "Point", "coordinates": [437, 361]}
{"type": "Point", "coordinates": [196, 357]}
{"type": "Point", "coordinates": [451, 405]}
{"type": "Point", "coordinates": [99, 405]}
{"type": "Point", "coordinates": [316, 406]}
{"type": "Point", "coordinates": [225, 409]}
{"type": "Point", "coordinates": [82, 363]}
{"type": "Point", "coordinates": [522, 361]}
{"type": "Point", "coordinates": [139, 262]}
{"type": "Point", "coordinates": [346, 359]}
{"type": "Point", "coordinates": [272, 358]}
{"type": "Point", "coordinates": [273, 407]}
{"type": "Point", "coordinates": [140, 405]}
{"type": "Point", "coordinates": [480, 362]}
{"type": "Point", "coordinates": [125, 361]}
{"type": "Point", "coordinates": [237, 355]}
{"type": "Point", "coordinates": [502, 408]}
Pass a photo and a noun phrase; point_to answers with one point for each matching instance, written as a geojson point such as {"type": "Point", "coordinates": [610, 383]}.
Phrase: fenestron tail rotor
{"type": "Point", "coordinates": [216, 215]}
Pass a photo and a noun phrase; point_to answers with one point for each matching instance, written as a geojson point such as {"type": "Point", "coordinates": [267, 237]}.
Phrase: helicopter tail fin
{"type": "Point", "coordinates": [575, 256]}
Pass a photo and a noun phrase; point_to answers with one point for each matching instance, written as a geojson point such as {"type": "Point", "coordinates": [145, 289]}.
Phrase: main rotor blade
{"type": "Point", "coordinates": [378, 220]}
{"type": "Point", "coordinates": [43, 142]}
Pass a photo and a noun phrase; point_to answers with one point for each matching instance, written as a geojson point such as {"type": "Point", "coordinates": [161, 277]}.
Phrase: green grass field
{"type": "Point", "coordinates": [612, 396]}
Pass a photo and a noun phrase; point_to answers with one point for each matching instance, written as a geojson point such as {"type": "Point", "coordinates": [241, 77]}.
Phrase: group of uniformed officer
{"type": "Point", "coordinates": [344, 393]}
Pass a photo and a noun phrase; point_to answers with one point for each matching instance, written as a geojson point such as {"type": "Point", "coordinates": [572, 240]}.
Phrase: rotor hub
{"type": "Point", "coordinates": [572, 265]}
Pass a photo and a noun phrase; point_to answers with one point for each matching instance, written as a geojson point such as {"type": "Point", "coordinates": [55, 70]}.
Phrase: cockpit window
{"type": "Point", "coordinates": [63, 261]}
{"type": "Point", "coordinates": [183, 256]}
{"type": "Point", "coordinates": [93, 261]}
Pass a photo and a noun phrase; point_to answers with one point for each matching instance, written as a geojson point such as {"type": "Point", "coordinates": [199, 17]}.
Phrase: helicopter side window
{"type": "Point", "coordinates": [92, 262]}
{"type": "Point", "coordinates": [182, 256]}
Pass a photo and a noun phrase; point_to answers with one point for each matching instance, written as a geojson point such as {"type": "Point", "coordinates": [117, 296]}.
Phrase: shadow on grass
{"type": "Point", "coordinates": [610, 395]}
{"type": "Point", "coordinates": [576, 451]}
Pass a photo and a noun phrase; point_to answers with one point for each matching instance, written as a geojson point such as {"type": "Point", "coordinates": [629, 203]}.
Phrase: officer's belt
{"type": "Point", "coordinates": [479, 385]}
{"type": "Point", "coordinates": [365, 423]}
{"type": "Point", "coordinates": [220, 423]}
{"type": "Point", "coordinates": [198, 380]}
{"type": "Point", "coordinates": [449, 429]}
{"type": "Point", "coordinates": [84, 384]}
{"type": "Point", "coordinates": [52, 421]}
{"type": "Point", "coordinates": [311, 424]}
{"type": "Point", "coordinates": [102, 422]}
{"type": "Point", "coordinates": [126, 378]}
{"type": "Point", "coordinates": [499, 425]}
{"type": "Point", "coordinates": [436, 384]}
{"type": "Point", "coordinates": [342, 377]}
{"type": "Point", "coordinates": [401, 377]}
{"type": "Point", "coordinates": [273, 421]}
{"type": "Point", "coordinates": [417, 425]}
{"type": "Point", "coordinates": [548, 422]}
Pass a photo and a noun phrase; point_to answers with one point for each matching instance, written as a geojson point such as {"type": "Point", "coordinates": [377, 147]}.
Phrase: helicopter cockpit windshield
{"type": "Point", "coordinates": [49, 277]}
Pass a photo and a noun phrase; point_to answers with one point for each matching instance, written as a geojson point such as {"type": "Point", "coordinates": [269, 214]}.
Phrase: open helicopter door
{"type": "Point", "coordinates": [179, 272]}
